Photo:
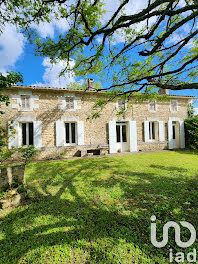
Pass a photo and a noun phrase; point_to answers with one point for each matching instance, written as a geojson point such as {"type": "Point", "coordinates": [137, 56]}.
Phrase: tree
{"type": "Point", "coordinates": [147, 58]}
{"type": "Point", "coordinates": [7, 81]}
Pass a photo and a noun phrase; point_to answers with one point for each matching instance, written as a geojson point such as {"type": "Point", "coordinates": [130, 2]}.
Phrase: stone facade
{"type": "Point", "coordinates": [48, 111]}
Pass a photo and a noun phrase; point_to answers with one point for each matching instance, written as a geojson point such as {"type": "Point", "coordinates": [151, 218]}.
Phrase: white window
{"type": "Point", "coordinates": [153, 106]}
{"type": "Point", "coordinates": [121, 132]}
{"type": "Point", "coordinates": [174, 106]}
{"type": "Point", "coordinates": [70, 133]}
{"type": "Point", "coordinates": [25, 101]}
{"type": "Point", "coordinates": [69, 103]}
{"type": "Point", "coordinates": [121, 105]}
{"type": "Point", "coordinates": [152, 130]}
{"type": "Point", "coordinates": [27, 133]}
{"type": "Point", "coordinates": [174, 129]}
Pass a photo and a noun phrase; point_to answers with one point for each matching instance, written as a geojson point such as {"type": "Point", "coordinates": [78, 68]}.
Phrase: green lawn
{"type": "Point", "coordinates": [98, 210]}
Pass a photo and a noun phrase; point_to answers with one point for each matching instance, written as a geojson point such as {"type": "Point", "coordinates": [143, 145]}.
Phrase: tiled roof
{"type": "Point", "coordinates": [78, 90]}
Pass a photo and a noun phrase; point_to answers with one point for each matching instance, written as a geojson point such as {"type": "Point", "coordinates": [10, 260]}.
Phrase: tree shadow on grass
{"type": "Point", "coordinates": [94, 211]}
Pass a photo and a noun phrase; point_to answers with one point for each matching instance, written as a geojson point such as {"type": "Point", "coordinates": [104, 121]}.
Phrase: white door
{"type": "Point", "coordinates": [175, 135]}
{"type": "Point", "coordinates": [121, 137]}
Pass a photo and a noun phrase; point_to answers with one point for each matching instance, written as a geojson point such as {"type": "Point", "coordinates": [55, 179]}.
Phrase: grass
{"type": "Point", "coordinates": [98, 210]}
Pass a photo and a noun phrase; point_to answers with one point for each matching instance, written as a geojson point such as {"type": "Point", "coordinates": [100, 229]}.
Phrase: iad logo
{"type": "Point", "coordinates": [191, 256]}
{"type": "Point", "coordinates": [177, 234]}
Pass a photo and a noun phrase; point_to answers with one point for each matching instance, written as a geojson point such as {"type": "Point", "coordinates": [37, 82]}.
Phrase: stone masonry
{"type": "Point", "coordinates": [95, 131]}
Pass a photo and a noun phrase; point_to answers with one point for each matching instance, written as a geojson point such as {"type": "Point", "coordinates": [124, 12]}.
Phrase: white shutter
{"type": "Point", "coordinates": [161, 131]}
{"type": "Point", "coordinates": [146, 131]}
{"type": "Point", "coordinates": [38, 134]}
{"type": "Point", "coordinates": [182, 134]}
{"type": "Point", "coordinates": [13, 134]}
{"type": "Point", "coordinates": [80, 133]}
{"type": "Point", "coordinates": [112, 137]}
{"type": "Point", "coordinates": [59, 133]}
{"type": "Point", "coordinates": [133, 136]}
{"type": "Point", "coordinates": [170, 135]}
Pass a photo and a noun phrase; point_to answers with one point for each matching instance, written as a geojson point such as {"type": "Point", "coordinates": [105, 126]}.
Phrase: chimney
{"type": "Point", "coordinates": [90, 84]}
{"type": "Point", "coordinates": [163, 91]}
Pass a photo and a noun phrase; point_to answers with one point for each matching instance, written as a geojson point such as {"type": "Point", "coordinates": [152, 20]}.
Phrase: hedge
{"type": "Point", "coordinates": [191, 130]}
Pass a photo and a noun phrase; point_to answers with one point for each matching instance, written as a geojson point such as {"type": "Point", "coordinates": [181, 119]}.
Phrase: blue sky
{"type": "Point", "coordinates": [18, 55]}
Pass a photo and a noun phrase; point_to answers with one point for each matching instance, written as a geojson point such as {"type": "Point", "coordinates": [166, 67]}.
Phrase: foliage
{"type": "Point", "coordinates": [98, 210]}
{"type": "Point", "coordinates": [6, 81]}
{"type": "Point", "coordinates": [190, 111]}
{"type": "Point", "coordinates": [191, 129]}
{"type": "Point", "coordinates": [28, 153]}
{"type": "Point", "coordinates": [103, 45]}
{"type": "Point", "coordinates": [5, 153]}
{"type": "Point", "coordinates": [83, 86]}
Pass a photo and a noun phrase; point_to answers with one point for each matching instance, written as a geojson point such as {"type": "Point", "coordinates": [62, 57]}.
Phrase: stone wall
{"type": "Point", "coordinates": [95, 131]}
{"type": "Point", "coordinates": [12, 175]}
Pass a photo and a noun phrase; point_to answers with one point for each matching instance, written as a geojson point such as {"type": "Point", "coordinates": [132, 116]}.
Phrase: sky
{"type": "Point", "coordinates": [17, 54]}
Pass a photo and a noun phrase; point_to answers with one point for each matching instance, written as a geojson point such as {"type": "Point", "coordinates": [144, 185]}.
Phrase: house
{"type": "Point", "coordinates": [55, 121]}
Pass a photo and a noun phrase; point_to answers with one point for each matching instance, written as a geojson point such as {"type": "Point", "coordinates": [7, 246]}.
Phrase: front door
{"type": "Point", "coordinates": [121, 137]}
{"type": "Point", "coordinates": [175, 135]}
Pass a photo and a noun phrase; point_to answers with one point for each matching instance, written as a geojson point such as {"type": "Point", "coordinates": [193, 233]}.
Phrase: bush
{"type": "Point", "coordinates": [191, 129]}
{"type": "Point", "coordinates": [28, 153]}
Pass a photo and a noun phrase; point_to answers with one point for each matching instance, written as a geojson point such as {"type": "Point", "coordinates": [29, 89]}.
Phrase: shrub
{"type": "Point", "coordinates": [5, 153]}
{"type": "Point", "coordinates": [28, 153]}
{"type": "Point", "coordinates": [191, 128]}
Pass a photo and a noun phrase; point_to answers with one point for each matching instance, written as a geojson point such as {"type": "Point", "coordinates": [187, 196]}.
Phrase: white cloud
{"type": "Point", "coordinates": [57, 24]}
{"type": "Point", "coordinates": [195, 111]}
{"type": "Point", "coordinates": [11, 47]}
{"type": "Point", "coordinates": [51, 75]}
{"type": "Point", "coordinates": [48, 29]}
{"type": "Point", "coordinates": [133, 7]}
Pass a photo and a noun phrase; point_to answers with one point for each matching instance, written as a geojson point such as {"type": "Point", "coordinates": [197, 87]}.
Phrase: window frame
{"type": "Point", "coordinates": [70, 134]}
{"type": "Point", "coordinates": [121, 104]}
{"type": "Point", "coordinates": [27, 105]}
{"type": "Point", "coordinates": [27, 133]}
{"type": "Point", "coordinates": [121, 133]}
{"type": "Point", "coordinates": [68, 104]}
{"type": "Point", "coordinates": [155, 106]}
{"type": "Point", "coordinates": [174, 128]}
{"type": "Point", "coordinates": [152, 130]}
{"type": "Point", "coordinates": [171, 106]}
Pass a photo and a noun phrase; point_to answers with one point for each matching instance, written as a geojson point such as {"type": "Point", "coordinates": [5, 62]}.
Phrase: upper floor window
{"type": "Point", "coordinates": [153, 106]}
{"type": "Point", "coordinates": [69, 102]}
{"type": "Point", "coordinates": [25, 101]}
{"type": "Point", "coordinates": [174, 106]}
{"type": "Point", "coordinates": [121, 105]}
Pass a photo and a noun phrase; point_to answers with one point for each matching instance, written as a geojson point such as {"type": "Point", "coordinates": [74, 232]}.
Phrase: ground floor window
{"type": "Point", "coordinates": [70, 133]}
{"type": "Point", "coordinates": [151, 130]}
{"type": "Point", "coordinates": [27, 134]}
{"type": "Point", "coordinates": [174, 129]}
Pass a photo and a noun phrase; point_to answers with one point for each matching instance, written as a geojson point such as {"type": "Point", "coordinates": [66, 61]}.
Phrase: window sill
{"type": "Point", "coordinates": [25, 110]}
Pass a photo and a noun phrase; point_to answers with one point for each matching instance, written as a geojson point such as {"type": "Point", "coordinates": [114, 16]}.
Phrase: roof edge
{"type": "Point", "coordinates": [41, 88]}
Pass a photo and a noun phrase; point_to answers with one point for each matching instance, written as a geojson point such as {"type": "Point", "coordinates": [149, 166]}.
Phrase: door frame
{"type": "Point", "coordinates": [122, 146]}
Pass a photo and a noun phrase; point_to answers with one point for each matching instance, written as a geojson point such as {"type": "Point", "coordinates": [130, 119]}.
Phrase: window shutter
{"type": "Point", "coordinates": [112, 137]}
{"type": "Point", "coordinates": [161, 131]}
{"type": "Point", "coordinates": [182, 134]}
{"type": "Point", "coordinates": [80, 133]}
{"type": "Point", "coordinates": [13, 134]}
{"type": "Point", "coordinates": [133, 136]}
{"type": "Point", "coordinates": [38, 134]}
{"type": "Point", "coordinates": [146, 131]}
{"type": "Point", "coordinates": [59, 134]}
{"type": "Point", "coordinates": [170, 135]}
